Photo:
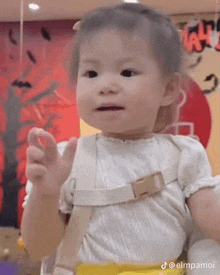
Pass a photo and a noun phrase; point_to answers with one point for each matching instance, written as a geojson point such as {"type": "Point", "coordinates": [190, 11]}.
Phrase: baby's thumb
{"type": "Point", "coordinates": [70, 150]}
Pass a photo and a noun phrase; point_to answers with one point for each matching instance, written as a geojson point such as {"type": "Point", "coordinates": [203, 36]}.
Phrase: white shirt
{"type": "Point", "coordinates": [151, 229]}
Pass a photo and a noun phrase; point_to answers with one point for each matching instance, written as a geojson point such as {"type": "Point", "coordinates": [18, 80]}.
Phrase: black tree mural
{"type": "Point", "coordinates": [10, 184]}
{"type": "Point", "coordinates": [39, 108]}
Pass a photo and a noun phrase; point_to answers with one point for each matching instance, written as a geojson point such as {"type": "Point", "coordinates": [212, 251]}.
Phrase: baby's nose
{"type": "Point", "coordinates": [108, 85]}
{"type": "Point", "coordinates": [104, 91]}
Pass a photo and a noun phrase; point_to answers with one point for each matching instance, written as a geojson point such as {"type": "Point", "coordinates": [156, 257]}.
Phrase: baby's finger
{"type": "Point", "coordinates": [33, 137]}
{"type": "Point", "coordinates": [34, 154]}
{"type": "Point", "coordinates": [35, 170]}
{"type": "Point", "coordinates": [70, 151]}
{"type": "Point", "coordinates": [50, 148]}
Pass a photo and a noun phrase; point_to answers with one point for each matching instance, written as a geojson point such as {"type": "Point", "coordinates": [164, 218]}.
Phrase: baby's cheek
{"type": "Point", "coordinates": [142, 105]}
{"type": "Point", "coordinates": [84, 103]}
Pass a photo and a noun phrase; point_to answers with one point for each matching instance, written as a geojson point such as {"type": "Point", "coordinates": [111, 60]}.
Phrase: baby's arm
{"type": "Point", "coordinates": [42, 226]}
{"type": "Point", "coordinates": [202, 250]}
{"type": "Point", "coordinates": [204, 206]}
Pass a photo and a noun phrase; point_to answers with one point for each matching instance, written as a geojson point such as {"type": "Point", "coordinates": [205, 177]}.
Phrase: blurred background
{"type": "Point", "coordinates": [35, 45]}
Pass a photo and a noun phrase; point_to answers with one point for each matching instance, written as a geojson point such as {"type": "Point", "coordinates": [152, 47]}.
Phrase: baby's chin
{"type": "Point", "coordinates": [118, 127]}
{"type": "Point", "coordinates": [110, 126]}
{"type": "Point", "coordinates": [122, 133]}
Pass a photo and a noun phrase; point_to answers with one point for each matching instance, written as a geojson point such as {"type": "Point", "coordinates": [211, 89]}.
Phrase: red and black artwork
{"type": "Point", "coordinates": [197, 37]}
{"type": "Point", "coordinates": [34, 93]}
{"type": "Point", "coordinates": [194, 118]}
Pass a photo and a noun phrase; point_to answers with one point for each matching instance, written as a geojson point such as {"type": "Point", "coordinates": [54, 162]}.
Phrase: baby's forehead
{"type": "Point", "coordinates": [108, 39]}
{"type": "Point", "coordinates": [122, 35]}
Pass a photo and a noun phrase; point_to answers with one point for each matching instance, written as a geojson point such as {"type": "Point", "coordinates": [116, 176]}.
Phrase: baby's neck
{"type": "Point", "coordinates": [125, 136]}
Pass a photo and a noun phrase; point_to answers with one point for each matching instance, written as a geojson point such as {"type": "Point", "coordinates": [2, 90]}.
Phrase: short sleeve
{"type": "Point", "coordinates": [66, 193]}
{"type": "Point", "coordinates": [28, 190]}
{"type": "Point", "coordinates": [66, 196]}
{"type": "Point", "coordinates": [194, 170]}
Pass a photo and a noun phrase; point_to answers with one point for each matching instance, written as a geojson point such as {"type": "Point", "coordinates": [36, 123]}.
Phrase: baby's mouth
{"type": "Point", "coordinates": [110, 108]}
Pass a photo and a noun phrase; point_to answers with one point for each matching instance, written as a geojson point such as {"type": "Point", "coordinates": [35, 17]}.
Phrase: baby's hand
{"type": "Point", "coordinates": [46, 169]}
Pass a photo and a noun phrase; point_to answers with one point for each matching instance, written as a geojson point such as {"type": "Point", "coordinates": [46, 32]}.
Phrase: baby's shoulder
{"type": "Point", "coordinates": [180, 142]}
{"type": "Point", "coordinates": [174, 147]}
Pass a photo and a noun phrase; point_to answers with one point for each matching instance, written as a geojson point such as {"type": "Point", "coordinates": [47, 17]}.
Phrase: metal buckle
{"type": "Point", "coordinates": [148, 185]}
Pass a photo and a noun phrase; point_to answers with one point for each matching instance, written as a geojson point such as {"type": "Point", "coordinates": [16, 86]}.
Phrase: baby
{"type": "Point", "coordinates": [127, 64]}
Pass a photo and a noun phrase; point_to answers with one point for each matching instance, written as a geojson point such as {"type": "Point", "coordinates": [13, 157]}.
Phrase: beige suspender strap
{"type": "Point", "coordinates": [85, 196]}
{"type": "Point", "coordinates": [147, 185]}
{"type": "Point", "coordinates": [84, 170]}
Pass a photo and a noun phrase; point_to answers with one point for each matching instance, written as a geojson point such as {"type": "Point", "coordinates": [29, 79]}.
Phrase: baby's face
{"type": "Point", "coordinates": [118, 96]}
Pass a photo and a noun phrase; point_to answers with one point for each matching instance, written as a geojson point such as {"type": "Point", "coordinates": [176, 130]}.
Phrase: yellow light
{"type": "Point", "coordinates": [33, 6]}
{"type": "Point", "coordinates": [131, 1]}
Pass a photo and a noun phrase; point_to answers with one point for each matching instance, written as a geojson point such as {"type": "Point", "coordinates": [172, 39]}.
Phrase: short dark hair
{"type": "Point", "coordinates": [149, 23]}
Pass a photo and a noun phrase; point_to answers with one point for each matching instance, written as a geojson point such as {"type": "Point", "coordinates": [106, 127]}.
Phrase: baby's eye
{"type": "Point", "coordinates": [91, 74]}
{"type": "Point", "coordinates": [128, 73]}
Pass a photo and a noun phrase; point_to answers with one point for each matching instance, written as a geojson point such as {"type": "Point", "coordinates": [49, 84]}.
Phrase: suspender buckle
{"type": "Point", "coordinates": [148, 185]}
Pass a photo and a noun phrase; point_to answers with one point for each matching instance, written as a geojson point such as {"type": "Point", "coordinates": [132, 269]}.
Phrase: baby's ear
{"type": "Point", "coordinates": [172, 89]}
